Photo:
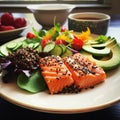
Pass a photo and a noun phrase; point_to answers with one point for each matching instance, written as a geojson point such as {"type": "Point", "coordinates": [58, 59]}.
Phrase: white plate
{"type": "Point", "coordinates": [102, 96]}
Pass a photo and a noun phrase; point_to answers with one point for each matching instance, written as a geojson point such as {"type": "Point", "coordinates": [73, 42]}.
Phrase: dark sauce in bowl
{"type": "Point", "coordinates": [88, 18]}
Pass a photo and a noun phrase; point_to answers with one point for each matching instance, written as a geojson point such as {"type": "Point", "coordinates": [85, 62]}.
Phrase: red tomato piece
{"type": "Point", "coordinates": [44, 42]}
{"type": "Point", "coordinates": [63, 29]}
{"type": "Point", "coordinates": [59, 41]}
{"type": "Point", "coordinates": [77, 43]}
{"type": "Point", "coordinates": [30, 35]}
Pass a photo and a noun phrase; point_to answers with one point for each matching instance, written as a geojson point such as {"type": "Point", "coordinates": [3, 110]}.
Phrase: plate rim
{"type": "Point", "coordinates": [61, 111]}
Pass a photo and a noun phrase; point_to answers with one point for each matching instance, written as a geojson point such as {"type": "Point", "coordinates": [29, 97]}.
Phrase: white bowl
{"type": "Point", "coordinates": [45, 13]}
{"type": "Point", "coordinates": [97, 22]}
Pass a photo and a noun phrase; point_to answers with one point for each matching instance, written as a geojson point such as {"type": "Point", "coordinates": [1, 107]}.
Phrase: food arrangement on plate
{"type": "Point", "coordinates": [59, 60]}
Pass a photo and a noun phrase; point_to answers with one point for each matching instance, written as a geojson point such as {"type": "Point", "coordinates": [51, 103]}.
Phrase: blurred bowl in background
{"type": "Point", "coordinates": [8, 35]}
{"type": "Point", "coordinates": [45, 13]}
{"type": "Point", "coordinates": [97, 22]}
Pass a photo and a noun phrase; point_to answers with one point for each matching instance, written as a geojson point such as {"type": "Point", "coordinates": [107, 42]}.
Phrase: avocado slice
{"type": "Point", "coordinates": [107, 62]}
{"type": "Point", "coordinates": [95, 51]}
{"type": "Point", "coordinates": [107, 43]}
{"type": "Point", "coordinates": [102, 49]}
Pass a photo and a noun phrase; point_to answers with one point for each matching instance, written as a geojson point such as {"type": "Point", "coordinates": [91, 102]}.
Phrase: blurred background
{"type": "Point", "coordinates": [106, 6]}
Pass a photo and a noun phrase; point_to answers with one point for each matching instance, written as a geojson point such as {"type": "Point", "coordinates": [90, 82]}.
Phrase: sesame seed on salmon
{"type": "Point", "coordinates": [84, 72]}
{"type": "Point", "coordinates": [56, 74]}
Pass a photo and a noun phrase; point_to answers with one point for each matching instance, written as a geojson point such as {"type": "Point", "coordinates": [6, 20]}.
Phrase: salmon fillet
{"type": "Point", "coordinates": [57, 76]}
{"type": "Point", "coordinates": [84, 72]}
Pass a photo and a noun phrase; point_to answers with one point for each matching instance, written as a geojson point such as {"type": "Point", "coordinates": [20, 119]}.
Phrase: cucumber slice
{"type": "Point", "coordinates": [31, 45]}
{"type": "Point", "coordinates": [57, 50]}
{"type": "Point", "coordinates": [39, 48]}
{"type": "Point", "coordinates": [11, 45]}
{"type": "Point", "coordinates": [18, 46]}
{"type": "Point", "coordinates": [49, 47]}
{"type": "Point", "coordinates": [3, 50]}
{"type": "Point", "coordinates": [24, 44]}
{"type": "Point", "coordinates": [67, 53]}
{"type": "Point", "coordinates": [1, 55]}
{"type": "Point", "coordinates": [36, 45]}
{"type": "Point", "coordinates": [63, 48]}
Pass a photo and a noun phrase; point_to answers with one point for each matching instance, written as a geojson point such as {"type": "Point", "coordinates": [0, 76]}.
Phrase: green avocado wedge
{"type": "Point", "coordinates": [102, 49]}
{"type": "Point", "coordinates": [107, 43]}
{"type": "Point", "coordinates": [108, 62]}
{"type": "Point", "coordinates": [97, 52]}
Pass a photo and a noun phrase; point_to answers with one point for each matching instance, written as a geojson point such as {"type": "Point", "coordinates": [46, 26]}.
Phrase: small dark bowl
{"type": "Point", "coordinates": [97, 22]}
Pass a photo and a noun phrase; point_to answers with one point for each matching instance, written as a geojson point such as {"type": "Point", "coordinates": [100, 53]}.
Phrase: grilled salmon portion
{"type": "Point", "coordinates": [57, 76]}
{"type": "Point", "coordinates": [84, 72]}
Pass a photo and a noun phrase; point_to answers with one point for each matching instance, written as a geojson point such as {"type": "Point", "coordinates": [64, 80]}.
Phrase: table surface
{"type": "Point", "coordinates": [11, 111]}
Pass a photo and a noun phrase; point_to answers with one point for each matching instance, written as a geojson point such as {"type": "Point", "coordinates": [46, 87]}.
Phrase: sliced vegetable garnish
{"type": "Point", "coordinates": [63, 48]}
{"type": "Point", "coordinates": [57, 50]}
{"type": "Point", "coordinates": [11, 45]}
{"type": "Point", "coordinates": [3, 50]}
{"type": "Point", "coordinates": [39, 48]}
{"type": "Point", "coordinates": [35, 83]}
{"type": "Point", "coordinates": [98, 52]}
{"type": "Point", "coordinates": [67, 53]}
{"type": "Point", "coordinates": [31, 45]}
{"type": "Point", "coordinates": [36, 45]}
{"type": "Point", "coordinates": [1, 55]}
{"type": "Point", "coordinates": [49, 47]}
{"type": "Point", "coordinates": [17, 46]}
